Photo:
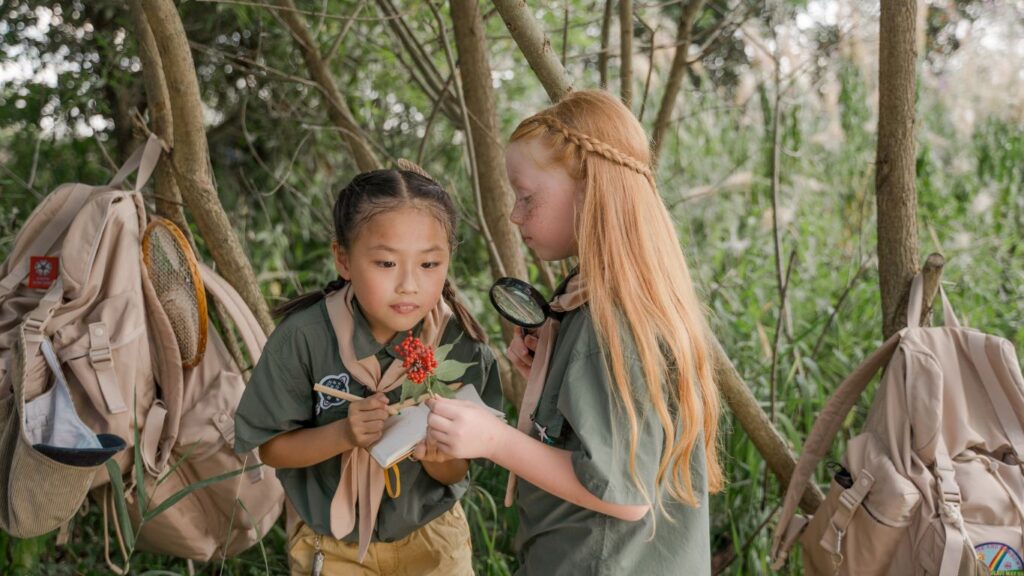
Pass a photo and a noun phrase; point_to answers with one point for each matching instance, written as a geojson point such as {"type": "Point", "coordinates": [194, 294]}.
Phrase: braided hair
{"type": "Point", "coordinates": [379, 191]}
{"type": "Point", "coordinates": [592, 145]}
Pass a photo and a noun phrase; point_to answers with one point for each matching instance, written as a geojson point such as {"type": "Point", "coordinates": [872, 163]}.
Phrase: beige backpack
{"type": "Point", "coordinates": [935, 481]}
{"type": "Point", "coordinates": [74, 284]}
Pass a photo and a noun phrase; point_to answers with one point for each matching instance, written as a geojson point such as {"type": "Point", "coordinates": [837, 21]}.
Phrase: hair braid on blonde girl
{"type": "Point", "coordinates": [595, 146]}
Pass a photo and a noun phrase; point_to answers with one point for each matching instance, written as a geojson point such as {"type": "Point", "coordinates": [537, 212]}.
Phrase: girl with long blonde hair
{"type": "Point", "coordinates": [616, 444]}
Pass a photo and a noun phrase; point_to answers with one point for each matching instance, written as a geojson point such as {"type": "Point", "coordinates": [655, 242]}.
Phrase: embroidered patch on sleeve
{"type": "Point", "coordinates": [337, 382]}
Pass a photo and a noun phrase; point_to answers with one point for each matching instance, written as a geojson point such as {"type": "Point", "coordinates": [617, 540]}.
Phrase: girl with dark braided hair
{"type": "Point", "coordinates": [394, 232]}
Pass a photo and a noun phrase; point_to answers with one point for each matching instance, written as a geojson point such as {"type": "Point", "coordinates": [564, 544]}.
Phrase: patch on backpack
{"type": "Point", "coordinates": [337, 382]}
{"type": "Point", "coordinates": [1000, 559]}
{"type": "Point", "coordinates": [42, 272]}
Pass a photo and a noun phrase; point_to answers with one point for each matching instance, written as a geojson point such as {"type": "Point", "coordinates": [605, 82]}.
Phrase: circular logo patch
{"type": "Point", "coordinates": [1000, 559]}
{"type": "Point", "coordinates": [338, 382]}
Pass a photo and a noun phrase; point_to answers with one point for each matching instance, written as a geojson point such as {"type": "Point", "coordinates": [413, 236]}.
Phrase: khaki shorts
{"type": "Point", "coordinates": [442, 547]}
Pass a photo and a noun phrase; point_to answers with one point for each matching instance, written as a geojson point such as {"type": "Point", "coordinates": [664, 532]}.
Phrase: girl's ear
{"type": "Point", "coordinates": [341, 263]}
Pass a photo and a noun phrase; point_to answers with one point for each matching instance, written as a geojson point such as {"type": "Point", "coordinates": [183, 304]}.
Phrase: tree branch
{"type": "Point", "coordinates": [337, 109]}
{"type": "Point", "coordinates": [675, 76]}
{"type": "Point", "coordinates": [535, 46]}
{"type": "Point", "coordinates": [190, 158]}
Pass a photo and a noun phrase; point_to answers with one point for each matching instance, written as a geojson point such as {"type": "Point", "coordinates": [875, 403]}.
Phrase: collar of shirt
{"type": "Point", "coordinates": [366, 345]}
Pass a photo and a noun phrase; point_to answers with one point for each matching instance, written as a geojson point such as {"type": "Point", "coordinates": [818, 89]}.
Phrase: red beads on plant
{"type": "Point", "coordinates": [417, 359]}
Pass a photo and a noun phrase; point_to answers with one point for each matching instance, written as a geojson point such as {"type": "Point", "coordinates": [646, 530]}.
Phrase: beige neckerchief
{"type": "Point", "coordinates": [362, 479]}
{"type": "Point", "coordinates": [574, 296]}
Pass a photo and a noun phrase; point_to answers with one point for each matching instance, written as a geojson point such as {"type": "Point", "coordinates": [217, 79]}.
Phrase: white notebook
{"type": "Point", "coordinates": [402, 432]}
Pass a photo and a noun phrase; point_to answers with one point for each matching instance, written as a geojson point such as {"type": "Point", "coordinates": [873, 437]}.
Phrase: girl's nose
{"type": "Point", "coordinates": [407, 282]}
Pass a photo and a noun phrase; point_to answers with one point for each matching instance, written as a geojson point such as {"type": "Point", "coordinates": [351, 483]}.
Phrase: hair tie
{"type": "Point", "coordinates": [334, 285]}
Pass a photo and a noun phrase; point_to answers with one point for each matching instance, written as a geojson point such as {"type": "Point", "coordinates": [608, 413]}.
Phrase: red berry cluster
{"type": "Point", "coordinates": [417, 358]}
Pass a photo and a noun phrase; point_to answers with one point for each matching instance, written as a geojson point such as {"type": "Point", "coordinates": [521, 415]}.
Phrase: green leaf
{"type": "Point", "coordinates": [451, 370]}
{"type": "Point", "coordinates": [443, 390]}
{"type": "Point", "coordinates": [252, 522]}
{"type": "Point", "coordinates": [114, 470]}
{"type": "Point", "coordinates": [442, 352]}
{"type": "Point", "coordinates": [411, 389]}
{"type": "Point", "coordinates": [140, 470]}
{"type": "Point", "coordinates": [177, 496]}
{"type": "Point", "coordinates": [177, 463]}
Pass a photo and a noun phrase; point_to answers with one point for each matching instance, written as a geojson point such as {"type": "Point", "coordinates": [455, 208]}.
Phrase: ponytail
{"type": "Point", "coordinates": [466, 320]}
{"type": "Point", "coordinates": [308, 299]}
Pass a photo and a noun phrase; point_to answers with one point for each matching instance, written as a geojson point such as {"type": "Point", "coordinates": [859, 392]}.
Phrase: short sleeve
{"type": "Point", "coordinates": [277, 398]}
{"type": "Point", "coordinates": [489, 383]}
{"type": "Point", "coordinates": [589, 403]}
{"type": "Point", "coordinates": [482, 372]}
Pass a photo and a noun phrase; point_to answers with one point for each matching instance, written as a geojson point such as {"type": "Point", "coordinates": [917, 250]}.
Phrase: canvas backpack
{"type": "Point", "coordinates": [934, 483]}
{"type": "Point", "coordinates": [74, 281]}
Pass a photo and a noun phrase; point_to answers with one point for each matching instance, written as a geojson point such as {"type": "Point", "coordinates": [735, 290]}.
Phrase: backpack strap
{"type": "Point", "coordinates": [250, 331]}
{"type": "Point", "coordinates": [99, 345]}
{"type": "Point", "coordinates": [35, 321]}
{"type": "Point", "coordinates": [949, 511]}
{"type": "Point", "coordinates": [102, 363]}
{"type": "Point", "coordinates": [53, 231]}
{"type": "Point", "coordinates": [849, 501]}
{"type": "Point", "coordinates": [821, 437]}
{"type": "Point", "coordinates": [248, 328]}
{"type": "Point", "coordinates": [982, 352]}
{"type": "Point", "coordinates": [915, 304]}
{"type": "Point", "coordinates": [144, 160]}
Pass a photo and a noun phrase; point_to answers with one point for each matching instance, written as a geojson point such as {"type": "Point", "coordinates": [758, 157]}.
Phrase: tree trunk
{"type": "Point", "coordinates": [606, 32]}
{"type": "Point", "coordinates": [895, 167]}
{"type": "Point", "coordinates": [168, 197]}
{"type": "Point", "coordinates": [680, 63]}
{"type": "Point", "coordinates": [190, 157]}
{"type": "Point", "coordinates": [626, 51]}
{"type": "Point", "coordinates": [337, 109]}
{"type": "Point", "coordinates": [496, 192]}
{"type": "Point", "coordinates": [526, 32]}
{"type": "Point", "coordinates": [535, 46]}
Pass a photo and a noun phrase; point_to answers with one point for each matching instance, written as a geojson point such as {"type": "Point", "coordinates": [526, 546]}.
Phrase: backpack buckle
{"type": "Point", "coordinates": [34, 325]}
{"type": "Point", "coordinates": [99, 349]}
{"type": "Point", "coordinates": [951, 496]}
{"type": "Point", "coordinates": [99, 355]}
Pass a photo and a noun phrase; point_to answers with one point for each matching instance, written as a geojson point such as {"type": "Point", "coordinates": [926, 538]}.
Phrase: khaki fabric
{"type": "Point", "coordinates": [439, 548]}
{"type": "Point", "coordinates": [937, 474]}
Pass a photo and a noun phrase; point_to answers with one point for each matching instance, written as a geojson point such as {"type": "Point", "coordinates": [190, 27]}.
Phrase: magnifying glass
{"type": "Point", "coordinates": [519, 303]}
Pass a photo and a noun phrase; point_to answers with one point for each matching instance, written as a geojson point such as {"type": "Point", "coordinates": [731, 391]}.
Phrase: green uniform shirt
{"type": "Point", "coordinates": [279, 398]}
{"type": "Point", "coordinates": [578, 411]}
